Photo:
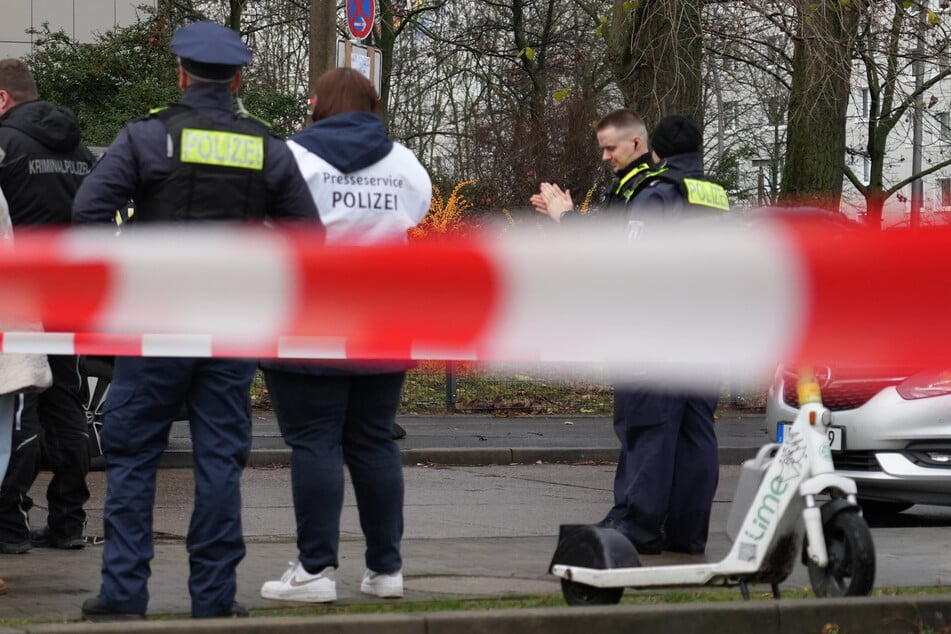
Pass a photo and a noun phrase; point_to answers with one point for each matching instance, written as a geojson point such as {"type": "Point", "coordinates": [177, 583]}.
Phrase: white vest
{"type": "Point", "coordinates": [374, 205]}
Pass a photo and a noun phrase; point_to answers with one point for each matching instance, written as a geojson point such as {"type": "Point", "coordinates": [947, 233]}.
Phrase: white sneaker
{"type": "Point", "coordinates": [299, 585]}
{"type": "Point", "coordinates": [385, 586]}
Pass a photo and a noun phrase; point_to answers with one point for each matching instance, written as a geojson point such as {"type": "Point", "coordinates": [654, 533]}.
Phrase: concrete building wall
{"type": "Point", "coordinates": [82, 19]}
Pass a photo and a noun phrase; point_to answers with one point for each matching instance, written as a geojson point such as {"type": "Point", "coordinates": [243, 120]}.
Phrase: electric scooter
{"type": "Point", "coordinates": [787, 495]}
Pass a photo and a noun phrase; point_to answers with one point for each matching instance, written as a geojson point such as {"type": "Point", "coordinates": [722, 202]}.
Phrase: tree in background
{"type": "Point", "coordinates": [891, 38]}
{"type": "Point", "coordinates": [656, 51]}
{"type": "Point", "coordinates": [119, 76]}
{"type": "Point", "coordinates": [122, 74]}
{"type": "Point", "coordinates": [825, 39]}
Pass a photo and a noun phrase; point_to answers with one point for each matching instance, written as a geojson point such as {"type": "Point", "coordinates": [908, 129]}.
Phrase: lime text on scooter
{"type": "Point", "coordinates": [767, 508]}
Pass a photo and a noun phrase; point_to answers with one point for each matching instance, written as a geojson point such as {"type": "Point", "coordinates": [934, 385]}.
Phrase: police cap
{"type": "Point", "coordinates": [209, 51]}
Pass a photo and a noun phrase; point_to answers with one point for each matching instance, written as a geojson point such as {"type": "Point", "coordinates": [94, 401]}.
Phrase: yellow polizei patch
{"type": "Point", "coordinates": [226, 149]}
{"type": "Point", "coordinates": [706, 194]}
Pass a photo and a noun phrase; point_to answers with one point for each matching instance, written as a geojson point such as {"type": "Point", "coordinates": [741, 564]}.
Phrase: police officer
{"type": "Point", "coordinates": [168, 163]}
{"type": "Point", "coordinates": [669, 465]}
{"type": "Point", "coordinates": [677, 188]}
{"type": "Point", "coordinates": [45, 162]}
{"type": "Point", "coordinates": [622, 138]}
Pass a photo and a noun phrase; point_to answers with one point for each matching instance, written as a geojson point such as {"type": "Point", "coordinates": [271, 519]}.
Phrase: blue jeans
{"type": "Point", "coordinates": [144, 397]}
{"type": "Point", "coordinates": [329, 420]}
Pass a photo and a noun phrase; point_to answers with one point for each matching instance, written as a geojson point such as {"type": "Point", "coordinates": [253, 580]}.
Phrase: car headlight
{"type": "Point", "coordinates": [925, 385]}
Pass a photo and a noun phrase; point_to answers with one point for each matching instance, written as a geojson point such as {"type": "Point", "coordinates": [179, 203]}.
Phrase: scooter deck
{"type": "Point", "coordinates": [654, 576]}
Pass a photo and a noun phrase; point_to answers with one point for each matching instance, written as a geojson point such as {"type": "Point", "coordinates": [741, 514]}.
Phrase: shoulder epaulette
{"type": "Point", "coordinates": [248, 115]}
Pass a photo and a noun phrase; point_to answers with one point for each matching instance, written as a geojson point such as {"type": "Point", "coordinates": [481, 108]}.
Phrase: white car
{"type": "Point", "coordinates": [891, 431]}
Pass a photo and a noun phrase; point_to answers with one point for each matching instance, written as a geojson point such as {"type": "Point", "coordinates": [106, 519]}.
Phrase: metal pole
{"type": "Point", "coordinates": [323, 40]}
{"type": "Point", "coordinates": [450, 386]}
{"type": "Point", "coordinates": [917, 189]}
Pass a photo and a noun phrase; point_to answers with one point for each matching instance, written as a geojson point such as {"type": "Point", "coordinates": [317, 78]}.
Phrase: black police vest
{"type": "Point", "coordinates": [700, 194]}
{"type": "Point", "coordinates": [217, 170]}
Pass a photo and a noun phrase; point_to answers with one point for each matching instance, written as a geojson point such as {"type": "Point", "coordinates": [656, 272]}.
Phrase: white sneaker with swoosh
{"type": "Point", "coordinates": [383, 585]}
{"type": "Point", "coordinates": [299, 585]}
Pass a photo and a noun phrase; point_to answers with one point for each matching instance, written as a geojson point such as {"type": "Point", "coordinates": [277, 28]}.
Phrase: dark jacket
{"type": "Point", "coordinates": [626, 183]}
{"type": "Point", "coordinates": [658, 193]}
{"type": "Point", "coordinates": [663, 199]}
{"type": "Point", "coordinates": [45, 162]}
{"type": "Point", "coordinates": [138, 159]}
{"type": "Point", "coordinates": [349, 141]}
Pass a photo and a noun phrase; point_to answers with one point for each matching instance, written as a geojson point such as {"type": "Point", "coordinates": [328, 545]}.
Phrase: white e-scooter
{"type": "Point", "coordinates": [774, 506]}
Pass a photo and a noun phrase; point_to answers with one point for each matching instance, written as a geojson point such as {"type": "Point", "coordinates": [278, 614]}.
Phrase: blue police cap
{"type": "Point", "coordinates": [210, 51]}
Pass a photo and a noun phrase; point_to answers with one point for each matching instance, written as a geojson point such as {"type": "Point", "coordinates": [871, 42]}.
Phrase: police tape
{"type": "Point", "coordinates": [745, 295]}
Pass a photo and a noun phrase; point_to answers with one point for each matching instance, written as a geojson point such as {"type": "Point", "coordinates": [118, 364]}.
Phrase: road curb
{"type": "Point", "coordinates": [463, 456]}
{"type": "Point", "coordinates": [883, 615]}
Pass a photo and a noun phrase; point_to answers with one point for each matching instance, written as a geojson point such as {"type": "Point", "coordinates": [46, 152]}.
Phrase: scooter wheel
{"type": "Point", "coordinates": [851, 567]}
{"type": "Point", "coordinates": [580, 594]}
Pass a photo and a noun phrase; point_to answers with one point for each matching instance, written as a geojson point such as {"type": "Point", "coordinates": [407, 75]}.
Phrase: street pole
{"type": "Point", "coordinates": [323, 40]}
{"type": "Point", "coordinates": [917, 188]}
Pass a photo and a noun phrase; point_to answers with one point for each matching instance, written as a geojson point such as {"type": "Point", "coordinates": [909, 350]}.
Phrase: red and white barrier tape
{"type": "Point", "coordinates": [749, 296]}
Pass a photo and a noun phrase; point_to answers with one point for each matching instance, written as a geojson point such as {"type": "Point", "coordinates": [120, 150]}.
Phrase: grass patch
{"type": "Point", "coordinates": [514, 389]}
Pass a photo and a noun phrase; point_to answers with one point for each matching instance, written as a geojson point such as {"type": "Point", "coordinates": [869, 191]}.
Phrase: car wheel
{"type": "Point", "coordinates": [881, 508]}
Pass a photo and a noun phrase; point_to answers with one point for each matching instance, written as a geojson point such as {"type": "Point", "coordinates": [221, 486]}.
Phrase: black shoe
{"type": "Point", "coordinates": [42, 538]}
{"type": "Point", "coordinates": [686, 550]}
{"type": "Point", "coordinates": [398, 431]}
{"type": "Point", "coordinates": [15, 548]}
{"type": "Point", "coordinates": [645, 548]}
{"type": "Point", "coordinates": [238, 611]}
{"type": "Point", "coordinates": [95, 611]}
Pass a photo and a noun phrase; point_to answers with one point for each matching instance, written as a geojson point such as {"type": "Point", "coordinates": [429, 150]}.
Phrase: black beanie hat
{"type": "Point", "coordinates": [676, 134]}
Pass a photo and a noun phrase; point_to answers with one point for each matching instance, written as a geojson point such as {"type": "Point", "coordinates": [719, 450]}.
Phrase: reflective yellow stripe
{"type": "Point", "coordinates": [226, 149]}
{"type": "Point", "coordinates": [706, 194]}
{"type": "Point", "coordinates": [634, 172]}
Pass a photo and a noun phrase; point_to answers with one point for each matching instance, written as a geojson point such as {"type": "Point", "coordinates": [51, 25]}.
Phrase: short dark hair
{"type": "Point", "coordinates": [343, 90]}
{"type": "Point", "coordinates": [622, 118]}
{"type": "Point", "coordinates": [16, 79]}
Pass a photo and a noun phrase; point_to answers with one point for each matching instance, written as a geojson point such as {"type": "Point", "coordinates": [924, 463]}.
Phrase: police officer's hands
{"type": "Point", "coordinates": [552, 201]}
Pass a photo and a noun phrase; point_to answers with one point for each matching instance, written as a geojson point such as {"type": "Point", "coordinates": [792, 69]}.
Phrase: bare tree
{"type": "Point", "coordinates": [890, 42]}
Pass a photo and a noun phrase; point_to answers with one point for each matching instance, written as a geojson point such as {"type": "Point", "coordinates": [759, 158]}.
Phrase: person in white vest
{"type": "Point", "coordinates": [368, 190]}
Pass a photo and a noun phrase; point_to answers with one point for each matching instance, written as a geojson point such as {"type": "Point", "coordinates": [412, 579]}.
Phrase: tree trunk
{"type": "Point", "coordinates": [656, 52]}
{"type": "Point", "coordinates": [385, 41]}
{"type": "Point", "coordinates": [874, 206]}
{"type": "Point", "coordinates": [818, 102]}
{"type": "Point", "coordinates": [323, 40]}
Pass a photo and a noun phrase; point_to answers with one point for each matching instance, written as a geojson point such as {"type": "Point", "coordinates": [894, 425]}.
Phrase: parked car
{"type": "Point", "coordinates": [891, 430]}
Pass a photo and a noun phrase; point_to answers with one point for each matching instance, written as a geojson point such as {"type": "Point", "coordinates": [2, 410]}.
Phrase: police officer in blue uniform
{"type": "Point", "coordinates": [669, 465]}
{"type": "Point", "coordinates": [165, 162]}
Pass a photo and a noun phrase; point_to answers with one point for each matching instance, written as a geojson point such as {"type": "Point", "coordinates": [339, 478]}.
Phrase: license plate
{"type": "Point", "coordinates": [835, 435]}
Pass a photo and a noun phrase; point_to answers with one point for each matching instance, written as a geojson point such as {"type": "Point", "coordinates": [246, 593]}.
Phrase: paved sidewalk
{"type": "Point", "coordinates": [471, 531]}
{"type": "Point", "coordinates": [479, 440]}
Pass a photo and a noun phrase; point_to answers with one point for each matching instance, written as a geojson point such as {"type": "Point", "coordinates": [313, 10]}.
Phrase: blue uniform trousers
{"type": "Point", "coordinates": [144, 397]}
{"type": "Point", "coordinates": [667, 470]}
{"type": "Point", "coordinates": [329, 420]}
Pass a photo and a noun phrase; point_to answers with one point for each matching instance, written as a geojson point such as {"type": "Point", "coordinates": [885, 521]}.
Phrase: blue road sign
{"type": "Point", "coordinates": [360, 16]}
